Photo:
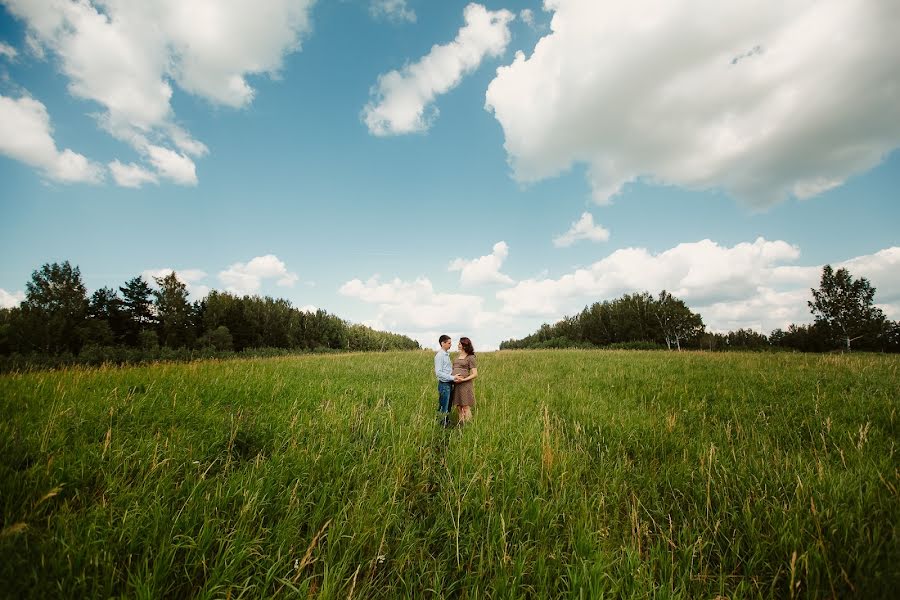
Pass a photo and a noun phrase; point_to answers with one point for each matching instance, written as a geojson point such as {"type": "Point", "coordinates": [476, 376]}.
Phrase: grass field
{"type": "Point", "coordinates": [586, 474]}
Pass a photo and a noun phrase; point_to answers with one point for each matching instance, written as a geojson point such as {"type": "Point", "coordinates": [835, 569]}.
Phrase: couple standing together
{"type": "Point", "coordinates": [455, 379]}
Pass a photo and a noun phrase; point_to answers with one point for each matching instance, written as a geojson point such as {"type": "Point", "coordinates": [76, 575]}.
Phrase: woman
{"type": "Point", "coordinates": [465, 369]}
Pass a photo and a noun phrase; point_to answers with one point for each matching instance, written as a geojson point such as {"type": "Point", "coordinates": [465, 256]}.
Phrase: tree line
{"type": "Point", "coordinates": [843, 309]}
{"type": "Point", "coordinates": [136, 322]}
{"type": "Point", "coordinates": [637, 320]}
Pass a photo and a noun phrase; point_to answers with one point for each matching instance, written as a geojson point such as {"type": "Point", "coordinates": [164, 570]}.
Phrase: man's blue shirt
{"type": "Point", "coordinates": [443, 369]}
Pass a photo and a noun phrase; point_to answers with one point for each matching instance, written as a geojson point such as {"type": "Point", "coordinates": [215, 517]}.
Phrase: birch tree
{"type": "Point", "coordinates": [845, 306]}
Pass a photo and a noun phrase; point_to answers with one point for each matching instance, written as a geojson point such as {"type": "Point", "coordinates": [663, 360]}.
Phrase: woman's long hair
{"type": "Point", "coordinates": [467, 346]}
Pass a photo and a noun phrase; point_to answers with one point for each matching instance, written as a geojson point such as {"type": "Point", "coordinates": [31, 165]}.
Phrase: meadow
{"type": "Point", "coordinates": [586, 474]}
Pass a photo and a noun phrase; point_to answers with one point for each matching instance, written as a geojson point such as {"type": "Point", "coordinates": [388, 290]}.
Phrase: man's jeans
{"type": "Point", "coordinates": [444, 388]}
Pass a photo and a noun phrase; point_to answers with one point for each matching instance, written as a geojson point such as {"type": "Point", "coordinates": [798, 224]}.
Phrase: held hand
{"type": "Point", "coordinates": [458, 379]}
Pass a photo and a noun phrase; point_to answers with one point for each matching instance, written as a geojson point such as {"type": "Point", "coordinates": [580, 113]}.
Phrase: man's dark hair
{"type": "Point", "coordinates": [443, 339]}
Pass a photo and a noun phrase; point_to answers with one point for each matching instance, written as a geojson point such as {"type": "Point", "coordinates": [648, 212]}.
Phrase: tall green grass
{"type": "Point", "coordinates": [586, 474]}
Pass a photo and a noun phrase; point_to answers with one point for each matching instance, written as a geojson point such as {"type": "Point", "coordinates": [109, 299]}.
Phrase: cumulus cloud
{"type": "Point", "coordinates": [131, 175]}
{"type": "Point", "coordinates": [769, 308]}
{"type": "Point", "coordinates": [698, 272]}
{"type": "Point", "coordinates": [765, 101]}
{"type": "Point", "coordinates": [484, 269]}
{"type": "Point", "coordinates": [11, 299]}
{"type": "Point", "coordinates": [582, 229]}
{"type": "Point", "coordinates": [191, 278]}
{"type": "Point", "coordinates": [247, 278]}
{"type": "Point", "coordinates": [126, 56]}
{"type": "Point", "coordinates": [27, 136]}
{"type": "Point", "coordinates": [401, 101]}
{"type": "Point", "coordinates": [762, 312]}
{"type": "Point", "coordinates": [882, 269]}
{"type": "Point", "coordinates": [746, 285]}
{"type": "Point", "coordinates": [416, 309]}
{"type": "Point", "coordinates": [752, 285]}
{"type": "Point", "coordinates": [392, 10]}
{"type": "Point", "coordinates": [172, 165]}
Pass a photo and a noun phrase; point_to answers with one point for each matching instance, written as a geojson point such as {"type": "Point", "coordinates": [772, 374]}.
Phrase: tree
{"type": "Point", "coordinates": [639, 309]}
{"type": "Point", "coordinates": [105, 306]}
{"type": "Point", "coordinates": [137, 304]}
{"type": "Point", "coordinates": [218, 339]}
{"type": "Point", "coordinates": [8, 319]}
{"type": "Point", "coordinates": [805, 338]}
{"type": "Point", "coordinates": [891, 337]}
{"type": "Point", "coordinates": [173, 311]}
{"type": "Point", "coordinates": [845, 306]}
{"type": "Point", "coordinates": [57, 297]}
{"type": "Point", "coordinates": [676, 320]}
{"type": "Point", "coordinates": [746, 339]}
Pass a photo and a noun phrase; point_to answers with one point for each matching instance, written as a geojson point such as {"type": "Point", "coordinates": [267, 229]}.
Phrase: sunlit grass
{"type": "Point", "coordinates": [585, 473]}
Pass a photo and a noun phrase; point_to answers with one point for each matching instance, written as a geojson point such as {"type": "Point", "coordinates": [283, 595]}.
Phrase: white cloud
{"type": "Point", "coordinates": [484, 269]}
{"type": "Point", "coordinates": [218, 44]}
{"type": "Point", "coordinates": [126, 55]}
{"type": "Point", "coordinates": [247, 278]}
{"type": "Point", "coordinates": [392, 10]}
{"type": "Point", "coordinates": [191, 278]}
{"type": "Point", "coordinates": [172, 165]}
{"type": "Point", "coordinates": [699, 272]}
{"type": "Point", "coordinates": [400, 101]}
{"type": "Point", "coordinates": [186, 143]}
{"type": "Point", "coordinates": [759, 99]}
{"type": "Point", "coordinates": [11, 299]}
{"type": "Point", "coordinates": [583, 229]}
{"type": "Point", "coordinates": [26, 136]}
{"type": "Point", "coordinates": [747, 285]}
{"type": "Point", "coordinates": [8, 51]}
{"type": "Point", "coordinates": [766, 310]}
{"type": "Point", "coordinates": [416, 309]}
{"type": "Point", "coordinates": [131, 175]}
{"type": "Point", "coordinates": [527, 16]}
{"type": "Point", "coordinates": [882, 269]}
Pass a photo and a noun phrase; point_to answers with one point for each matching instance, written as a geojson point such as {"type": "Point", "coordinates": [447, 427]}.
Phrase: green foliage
{"type": "Point", "coordinates": [891, 336]}
{"type": "Point", "coordinates": [137, 305]}
{"type": "Point", "coordinates": [633, 318]}
{"type": "Point", "coordinates": [173, 312]}
{"type": "Point", "coordinates": [805, 338]}
{"type": "Point", "coordinates": [148, 339]}
{"type": "Point", "coordinates": [676, 320]}
{"type": "Point", "coordinates": [844, 306]}
{"type": "Point", "coordinates": [106, 307]}
{"type": "Point", "coordinates": [218, 339]}
{"type": "Point", "coordinates": [59, 326]}
{"type": "Point", "coordinates": [55, 308]}
{"type": "Point", "coordinates": [742, 339]}
{"type": "Point", "coordinates": [585, 474]}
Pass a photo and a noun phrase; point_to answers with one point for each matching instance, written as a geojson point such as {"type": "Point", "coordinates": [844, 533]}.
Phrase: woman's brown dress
{"type": "Point", "coordinates": [464, 393]}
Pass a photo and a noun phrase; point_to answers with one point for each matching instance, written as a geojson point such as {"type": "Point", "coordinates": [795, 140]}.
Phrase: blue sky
{"type": "Point", "coordinates": [474, 169]}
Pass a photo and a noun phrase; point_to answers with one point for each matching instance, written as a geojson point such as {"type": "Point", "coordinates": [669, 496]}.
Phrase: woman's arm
{"type": "Point", "coordinates": [472, 375]}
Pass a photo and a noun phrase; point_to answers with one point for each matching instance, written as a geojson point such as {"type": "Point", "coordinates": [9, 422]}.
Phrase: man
{"type": "Point", "coordinates": [443, 370]}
